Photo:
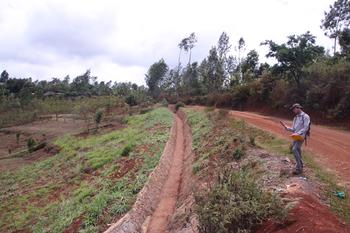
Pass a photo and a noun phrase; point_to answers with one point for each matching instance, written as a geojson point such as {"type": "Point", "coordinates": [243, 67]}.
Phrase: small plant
{"type": "Point", "coordinates": [31, 144]}
{"type": "Point", "coordinates": [126, 150]}
{"type": "Point", "coordinates": [98, 118]}
{"type": "Point", "coordinates": [164, 103]}
{"type": "Point", "coordinates": [131, 100]}
{"type": "Point", "coordinates": [238, 153]}
{"type": "Point", "coordinates": [179, 105]}
{"type": "Point", "coordinates": [252, 140]}
{"type": "Point", "coordinates": [18, 135]}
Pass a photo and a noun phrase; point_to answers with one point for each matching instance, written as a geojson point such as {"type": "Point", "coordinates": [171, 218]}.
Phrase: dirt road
{"type": "Point", "coordinates": [330, 147]}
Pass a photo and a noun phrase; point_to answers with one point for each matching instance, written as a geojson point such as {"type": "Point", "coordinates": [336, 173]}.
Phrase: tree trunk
{"type": "Point", "coordinates": [189, 58]}
{"type": "Point", "coordinates": [179, 60]}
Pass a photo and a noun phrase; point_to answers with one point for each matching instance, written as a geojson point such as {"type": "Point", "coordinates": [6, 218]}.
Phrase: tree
{"type": "Point", "coordinates": [212, 71]}
{"type": "Point", "coordinates": [250, 63]}
{"type": "Point", "coordinates": [155, 75]}
{"type": "Point", "coordinates": [4, 77]}
{"type": "Point", "coordinates": [336, 19]}
{"type": "Point", "coordinates": [190, 80]}
{"type": "Point", "coordinates": [344, 41]}
{"type": "Point", "coordinates": [298, 52]}
{"type": "Point", "coordinates": [181, 46]}
{"type": "Point", "coordinates": [223, 45]}
{"type": "Point", "coordinates": [98, 118]}
{"type": "Point", "coordinates": [188, 44]}
{"type": "Point", "coordinates": [240, 48]}
{"type": "Point", "coordinates": [81, 84]}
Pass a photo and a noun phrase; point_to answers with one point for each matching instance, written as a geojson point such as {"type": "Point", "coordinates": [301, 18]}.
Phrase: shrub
{"type": "Point", "coordinates": [179, 105]}
{"type": "Point", "coordinates": [238, 153]}
{"type": "Point", "coordinates": [126, 150]}
{"type": "Point", "coordinates": [236, 204]}
{"type": "Point", "coordinates": [164, 103]}
{"type": "Point", "coordinates": [31, 144]}
{"type": "Point", "coordinates": [252, 140]}
{"type": "Point", "coordinates": [18, 135]}
{"type": "Point", "coordinates": [98, 117]}
{"type": "Point", "coordinates": [131, 100]}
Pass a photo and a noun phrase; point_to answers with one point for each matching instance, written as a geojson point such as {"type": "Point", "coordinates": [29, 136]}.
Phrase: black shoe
{"type": "Point", "coordinates": [296, 172]}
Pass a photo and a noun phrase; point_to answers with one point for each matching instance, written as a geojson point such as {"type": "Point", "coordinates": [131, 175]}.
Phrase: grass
{"type": "Point", "coordinates": [234, 200]}
{"type": "Point", "coordinates": [80, 182]}
{"type": "Point", "coordinates": [236, 204]}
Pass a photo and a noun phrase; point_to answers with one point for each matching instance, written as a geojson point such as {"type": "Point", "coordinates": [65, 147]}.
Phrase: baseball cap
{"type": "Point", "coordinates": [296, 105]}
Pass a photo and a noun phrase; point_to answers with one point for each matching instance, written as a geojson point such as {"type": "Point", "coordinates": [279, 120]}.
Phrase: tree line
{"type": "Point", "coordinates": [231, 77]}
{"type": "Point", "coordinates": [26, 90]}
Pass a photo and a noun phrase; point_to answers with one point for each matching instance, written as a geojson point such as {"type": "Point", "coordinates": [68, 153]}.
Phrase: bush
{"type": "Point", "coordinates": [31, 144]}
{"type": "Point", "coordinates": [164, 103]}
{"type": "Point", "coordinates": [236, 204]}
{"type": "Point", "coordinates": [131, 100]}
{"type": "Point", "coordinates": [238, 153]}
{"type": "Point", "coordinates": [179, 105]}
{"type": "Point", "coordinates": [126, 150]}
{"type": "Point", "coordinates": [98, 117]}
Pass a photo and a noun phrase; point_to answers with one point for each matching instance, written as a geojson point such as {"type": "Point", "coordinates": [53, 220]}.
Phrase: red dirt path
{"type": "Point", "coordinates": [330, 147]}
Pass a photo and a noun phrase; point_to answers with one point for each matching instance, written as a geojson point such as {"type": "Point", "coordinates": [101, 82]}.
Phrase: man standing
{"type": "Point", "coordinates": [300, 128]}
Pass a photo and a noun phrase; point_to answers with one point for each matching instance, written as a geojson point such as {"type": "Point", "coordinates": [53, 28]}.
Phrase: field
{"type": "Point", "coordinates": [90, 183]}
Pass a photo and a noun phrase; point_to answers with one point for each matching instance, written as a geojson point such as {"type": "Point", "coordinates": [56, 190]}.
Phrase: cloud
{"type": "Point", "coordinates": [119, 40]}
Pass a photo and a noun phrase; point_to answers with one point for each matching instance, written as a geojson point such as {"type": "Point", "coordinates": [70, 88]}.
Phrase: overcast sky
{"type": "Point", "coordinates": [119, 40]}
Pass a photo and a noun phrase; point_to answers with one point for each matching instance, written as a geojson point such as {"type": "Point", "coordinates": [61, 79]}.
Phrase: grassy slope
{"type": "Point", "coordinates": [235, 202]}
{"type": "Point", "coordinates": [84, 183]}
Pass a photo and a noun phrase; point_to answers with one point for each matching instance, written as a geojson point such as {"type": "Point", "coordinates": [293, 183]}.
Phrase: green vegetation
{"type": "Point", "coordinates": [303, 72]}
{"type": "Point", "coordinates": [84, 107]}
{"type": "Point", "coordinates": [24, 100]}
{"type": "Point", "coordinates": [98, 117]}
{"type": "Point", "coordinates": [179, 105]}
{"type": "Point", "coordinates": [235, 202]}
{"type": "Point", "coordinates": [89, 182]}
{"type": "Point", "coordinates": [30, 144]}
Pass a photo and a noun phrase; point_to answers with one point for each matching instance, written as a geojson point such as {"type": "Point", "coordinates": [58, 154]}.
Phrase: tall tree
{"type": "Point", "coordinates": [336, 19]}
{"type": "Point", "coordinates": [298, 52]}
{"type": "Point", "coordinates": [344, 41]}
{"type": "Point", "coordinates": [212, 71]}
{"type": "Point", "coordinates": [190, 43]}
{"type": "Point", "coordinates": [155, 75]}
{"type": "Point", "coordinates": [81, 84]}
{"type": "Point", "coordinates": [223, 45]}
{"type": "Point", "coordinates": [182, 46]}
{"type": "Point", "coordinates": [4, 77]}
{"type": "Point", "coordinates": [240, 48]}
{"type": "Point", "coordinates": [250, 63]}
